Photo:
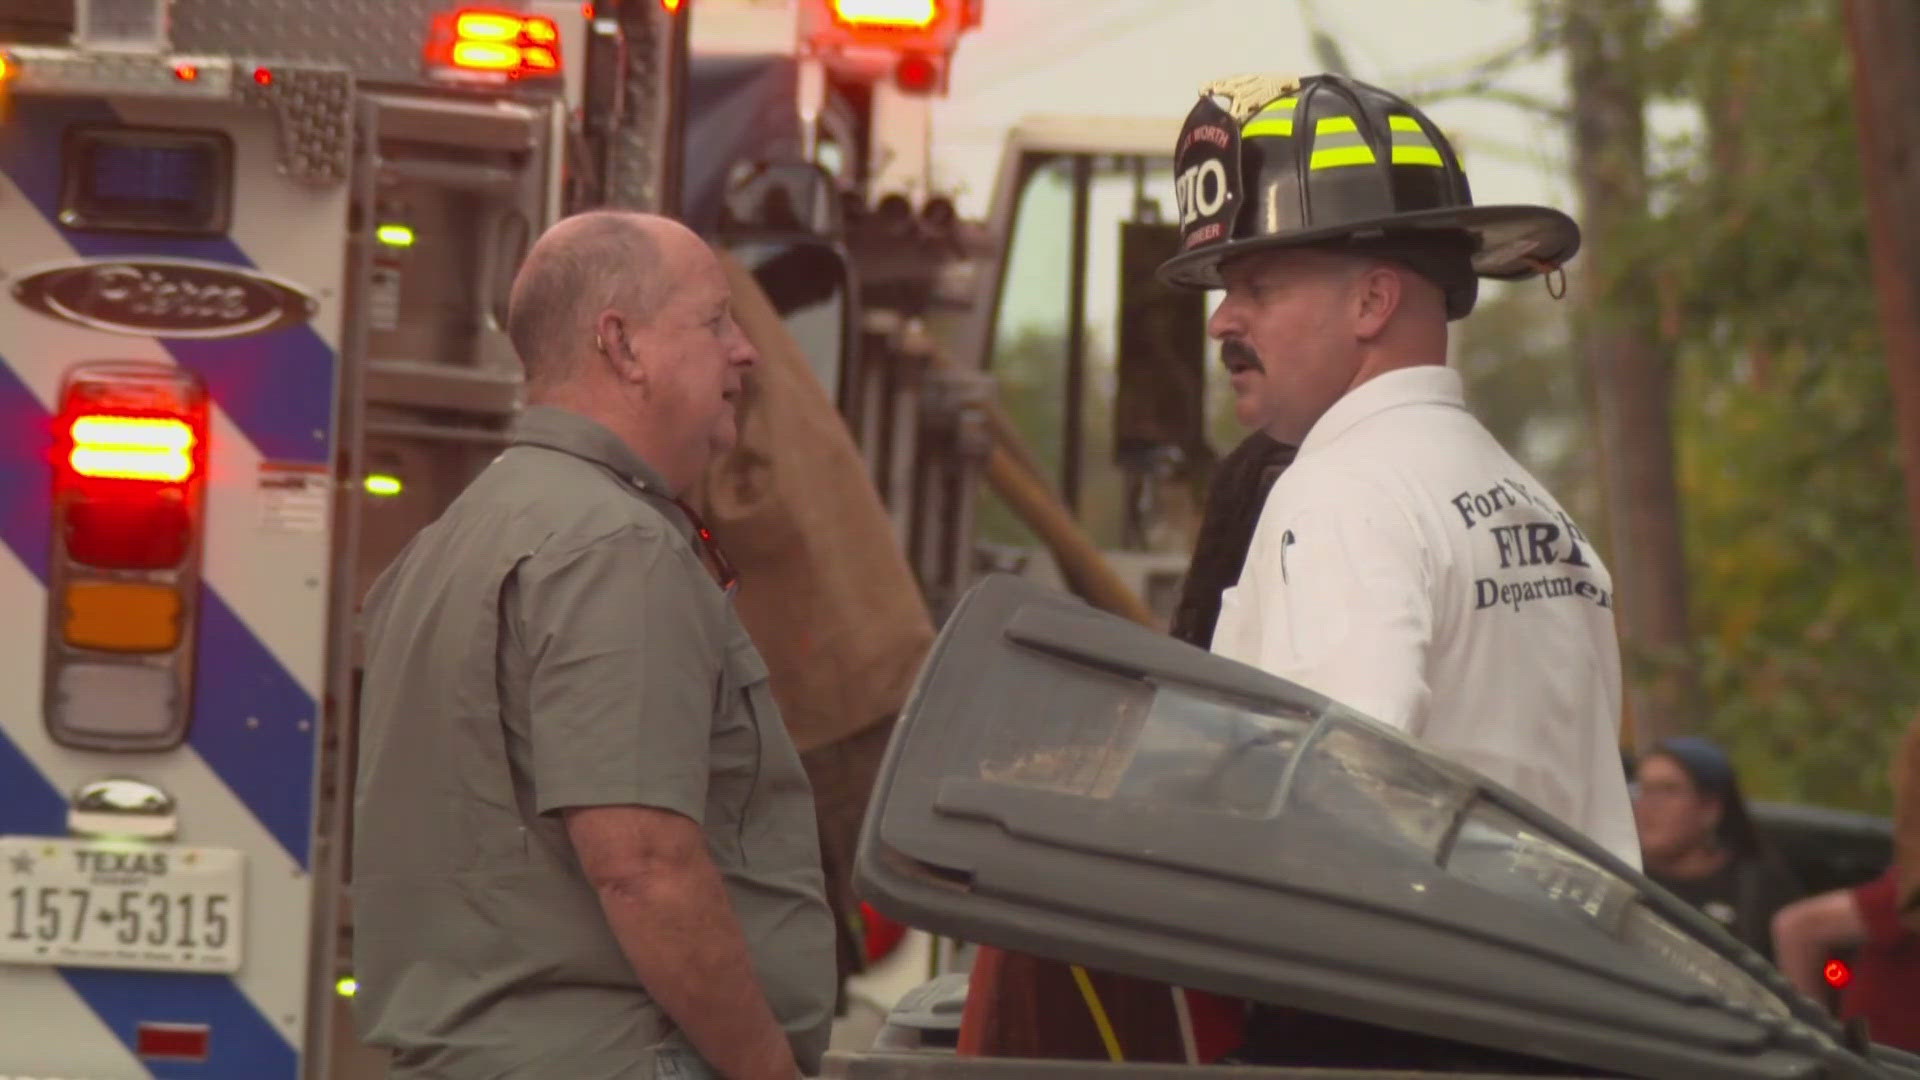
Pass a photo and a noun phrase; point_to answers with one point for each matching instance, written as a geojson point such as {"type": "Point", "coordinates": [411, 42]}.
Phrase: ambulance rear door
{"type": "Point", "coordinates": [171, 325]}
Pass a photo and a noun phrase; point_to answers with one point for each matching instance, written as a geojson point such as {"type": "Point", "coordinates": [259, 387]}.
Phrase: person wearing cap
{"type": "Point", "coordinates": [1700, 844]}
{"type": "Point", "coordinates": [1404, 564]}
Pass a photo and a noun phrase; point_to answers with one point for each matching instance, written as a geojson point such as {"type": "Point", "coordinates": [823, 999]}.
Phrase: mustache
{"type": "Point", "coordinates": [1236, 354]}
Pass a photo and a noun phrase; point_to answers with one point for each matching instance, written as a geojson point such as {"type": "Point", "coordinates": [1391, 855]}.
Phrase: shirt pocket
{"type": "Point", "coordinates": [738, 742]}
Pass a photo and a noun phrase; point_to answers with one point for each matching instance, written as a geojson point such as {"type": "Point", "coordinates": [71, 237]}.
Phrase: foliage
{"type": "Point", "coordinates": [1798, 542]}
{"type": "Point", "coordinates": [1525, 384]}
{"type": "Point", "coordinates": [1803, 599]}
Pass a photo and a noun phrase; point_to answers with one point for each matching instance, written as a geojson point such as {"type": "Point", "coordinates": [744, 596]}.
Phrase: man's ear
{"type": "Point", "coordinates": [1377, 295]}
{"type": "Point", "coordinates": [611, 341]}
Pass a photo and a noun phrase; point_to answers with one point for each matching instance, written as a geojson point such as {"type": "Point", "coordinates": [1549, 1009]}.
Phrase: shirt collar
{"type": "Point", "coordinates": [571, 433]}
{"type": "Point", "coordinates": [1425, 384]}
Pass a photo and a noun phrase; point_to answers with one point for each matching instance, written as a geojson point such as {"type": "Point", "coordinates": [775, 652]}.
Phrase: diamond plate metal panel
{"type": "Point", "coordinates": [376, 40]}
{"type": "Point", "coordinates": [313, 114]}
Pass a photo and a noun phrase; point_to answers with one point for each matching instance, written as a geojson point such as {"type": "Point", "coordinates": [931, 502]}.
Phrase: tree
{"type": "Point", "coordinates": [1746, 259]}
{"type": "Point", "coordinates": [1608, 49]}
{"type": "Point", "coordinates": [1802, 579]}
{"type": "Point", "coordinates": [1885, 42]}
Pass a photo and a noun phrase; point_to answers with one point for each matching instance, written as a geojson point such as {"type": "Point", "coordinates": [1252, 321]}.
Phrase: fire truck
{"type": "Point", "coordinates": [251, 339]}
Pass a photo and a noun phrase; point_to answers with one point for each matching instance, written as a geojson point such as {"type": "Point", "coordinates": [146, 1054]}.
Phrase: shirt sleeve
{"type": "Point", "coordinates": [1338, 598]}
{"type": "Point", "coordinates": [1878, 912]}
{"type": "Point", "coordinates": [625, 666]}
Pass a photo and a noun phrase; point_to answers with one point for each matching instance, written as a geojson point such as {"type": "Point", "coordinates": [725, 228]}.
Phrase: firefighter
{"type": "Point", "coordinates": [1404, 564]}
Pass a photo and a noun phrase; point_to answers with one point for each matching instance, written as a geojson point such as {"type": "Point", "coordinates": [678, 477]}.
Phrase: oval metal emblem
{"type": "Point", "coordinates": [165, 298]}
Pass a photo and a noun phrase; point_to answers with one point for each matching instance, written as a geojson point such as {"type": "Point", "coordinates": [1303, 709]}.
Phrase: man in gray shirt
{"type": "Point", "coordinates": [584, 844]}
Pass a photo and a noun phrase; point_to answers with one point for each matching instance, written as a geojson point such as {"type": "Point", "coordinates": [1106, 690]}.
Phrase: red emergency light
{"type": "Point", "coordinates": [888, 14]}
{"type": "Point", "coordinates": [917, 73]}
{"type": "Point", "coordinates": [132, 447]}
{"type": "Point", "coordinates": [866, 40]}
{"type": "Point", "coordinates": [129, 450]}
{"type": "Point", "coordinates": [493, 46]}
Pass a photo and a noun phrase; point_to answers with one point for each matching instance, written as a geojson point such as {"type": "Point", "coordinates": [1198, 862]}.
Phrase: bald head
{"type": "Point", "coordinates": [582, 265]}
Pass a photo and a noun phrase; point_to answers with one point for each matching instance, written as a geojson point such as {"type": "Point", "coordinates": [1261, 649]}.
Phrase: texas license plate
{"type": "Point", "coordinates": [121, 904]}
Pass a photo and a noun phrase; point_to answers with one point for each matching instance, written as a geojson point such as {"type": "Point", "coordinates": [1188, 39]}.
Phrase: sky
{"type": "Point", "coordinates": [1148, 58]}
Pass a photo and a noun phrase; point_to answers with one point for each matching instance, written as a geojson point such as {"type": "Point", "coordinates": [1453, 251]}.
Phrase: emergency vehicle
{"type": "Point", "coordinates": [256, 263]}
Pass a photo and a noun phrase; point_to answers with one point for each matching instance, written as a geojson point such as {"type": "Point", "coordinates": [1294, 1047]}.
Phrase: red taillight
{"type": "Point", "coordinates": [494, 45]}
{"type": "Point", "coordinates": [177, 1042]}
{"type": "Point", "coordinates": [129, 448]}
{"type": "Point", "coordinates": [1838, 974]}
{"type": "Point", "coordinates": [900, 14]}
{"type": "Point", "coordinates": [129, 530]}
{"type": "Point", "coordinates": [130, 476]}
{"type": "Point", "coordinates": [132, 447]}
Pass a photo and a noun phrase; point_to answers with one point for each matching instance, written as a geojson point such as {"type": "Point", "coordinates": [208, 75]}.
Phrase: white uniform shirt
{"type": "Point", "coordinates": [1406, 566]}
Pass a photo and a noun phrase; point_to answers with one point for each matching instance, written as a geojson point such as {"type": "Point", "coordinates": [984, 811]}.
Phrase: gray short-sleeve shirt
{"type": "Point", "coordinates": [554, 640]}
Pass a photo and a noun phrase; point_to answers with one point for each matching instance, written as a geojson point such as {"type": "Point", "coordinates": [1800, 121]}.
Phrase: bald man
{"type": "Point", "coordinates": [584, 845]}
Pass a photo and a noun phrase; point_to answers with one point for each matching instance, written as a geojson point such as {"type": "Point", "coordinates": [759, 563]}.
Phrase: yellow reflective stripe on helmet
{"type": "Point", "coordinates": [1411, 145]}
{"type": "Point", "coordinates": [1341, 155]}
{"type": "Point", "coordinates": [1337, 141]}
{"type": "Point", "coordinates": [1275, 119]}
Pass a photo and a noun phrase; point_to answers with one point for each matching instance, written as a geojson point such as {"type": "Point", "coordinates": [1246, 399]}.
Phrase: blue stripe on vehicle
{"type": "Point", "coordinates": [241, 1041]}
{"type": "Point", "coordinates": [33, 806]}
{"type": "Point", "coordinates": [26, 485]}
{"type": "Point", "coordinates": [268, 763]}
{"type": "Point", "coordinates": [253, 725]}
{"type": "Point", "coordinates": [277, 387]}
